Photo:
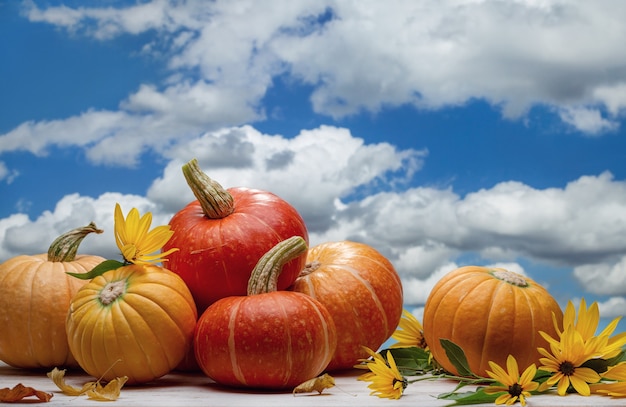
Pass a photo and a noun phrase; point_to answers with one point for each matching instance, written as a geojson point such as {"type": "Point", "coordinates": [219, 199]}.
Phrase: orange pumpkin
{"type": "Point", "coordinates": [361, 290]}
{"type": "Point", "coordinates": [269, 339]}
{"type": "Point", "coordinates": [490, 313]}
{"type": "Point", "coordinates": [35, 294]}
{"type": "Point", "coordinates": [136, 321]}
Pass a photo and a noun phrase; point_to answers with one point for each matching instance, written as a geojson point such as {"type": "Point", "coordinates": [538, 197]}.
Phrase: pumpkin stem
{"type": "Point", "coordinates": [310, 268]}
{"type": "Point", "coordinates": [509, 277]}
{"type": "Point", "coordinates": [64, 247]}
{"type": "Point", "coordinates": [264, 277]}
{"type": "Point", "coordinates": [216, 202]}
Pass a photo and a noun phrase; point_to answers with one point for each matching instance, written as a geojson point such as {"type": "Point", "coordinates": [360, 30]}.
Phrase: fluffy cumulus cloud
{"type": "Point", "coordinates": [224, 56]}
{"type": "Point", "coordinates": [21, 235]}
{"type": "Point", "coordinates": [422, 230]}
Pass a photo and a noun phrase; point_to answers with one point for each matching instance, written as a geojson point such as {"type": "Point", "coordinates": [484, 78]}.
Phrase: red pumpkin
{"type": "Point", "coordinates": [361, 290]}
{"type": "Point", "coordinates": [223, 234]}
{"type": "Point", "coordinates": [269, 339]}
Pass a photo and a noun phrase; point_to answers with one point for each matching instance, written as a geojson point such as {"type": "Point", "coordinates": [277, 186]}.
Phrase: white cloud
{"type": "Point", "coordinates": [416, 291]}
{"type": "Point", "coordinates": [604, 278]}
{"type": "Point", "coordinates": [20, 235]}
{"type": "Point", "coordinates": [291, 168]}
{"type": "Point", "coordinates": [613, 97]}
{"type": "Point", "coordinates": [420, 229]}
{"type": "Point", "coordinates": [6, 174]}
{"type": "Point", "coordinates": [224, 56]}
{"type": "Point", "coordinates": [587, 120]}
{"type": "Point", "coordinates": [614, 307]}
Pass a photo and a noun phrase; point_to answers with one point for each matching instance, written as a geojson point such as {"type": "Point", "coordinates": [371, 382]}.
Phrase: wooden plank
{"type": "Point", "coordinates": [194, 389]}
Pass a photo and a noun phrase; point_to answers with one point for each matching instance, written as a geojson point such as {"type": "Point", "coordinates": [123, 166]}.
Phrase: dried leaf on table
{"type": "Point", "coordinates": [93, 390]}
{"type": "Point", "coordinates": [19, 392]}
{"type": "Point", "coordinates": [317, 384]}
{"type": "Point", "coordinates": [110, 392]}
{"type": "Point", "coordinates": [58, 377]}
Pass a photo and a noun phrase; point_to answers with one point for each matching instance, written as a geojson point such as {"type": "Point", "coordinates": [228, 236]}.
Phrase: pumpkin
{"type": "Point", "coordinates": [35, 294]}
{"type": "Point", "coordinates": [135, 321]}
{"type": "Point", "coordinates": [223, 234]}
{"type": "Point", "coordinates": [361, 290]}
{"type": "Point", "coordinates": [268, 339]}
{"type": "Point", "coordinates": [490, 313]}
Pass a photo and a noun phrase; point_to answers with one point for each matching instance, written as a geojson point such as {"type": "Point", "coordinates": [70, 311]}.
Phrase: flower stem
{"type": "Point", "coordinates": [64, 247]}
{"type": "Point", "coordinates": [216, 202]}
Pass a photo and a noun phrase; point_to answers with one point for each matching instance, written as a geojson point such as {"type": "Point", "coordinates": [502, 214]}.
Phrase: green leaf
{"type": "Point", "coordinates": [410, 361]}
{"type": "Point", "coordinates": [541, 376]}
{"type": "Point", "coordinates": [98, 270]}
{"type": "Point", "coordinates": [621, 357]}
{"type": "Point", "coordinates": [469, 397]}
{"type": "Point", "coordinates": [457, 357]}
{"type": "Point", "coordinates": [598, 365]}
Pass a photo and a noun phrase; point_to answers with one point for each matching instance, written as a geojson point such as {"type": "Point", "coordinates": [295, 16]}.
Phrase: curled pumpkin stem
{"type": "Point", "coordinates": [264, 277]}
{"type": "Point", "coordinates": [64, 247]}
{"type": "Point", "coordinates": [216, 202]}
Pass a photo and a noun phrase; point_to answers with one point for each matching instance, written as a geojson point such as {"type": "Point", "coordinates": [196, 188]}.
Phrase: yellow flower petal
{"type": "Point", "coordinates": [137, 243]}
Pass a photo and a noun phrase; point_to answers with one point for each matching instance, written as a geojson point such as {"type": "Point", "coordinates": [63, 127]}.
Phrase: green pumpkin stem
{"type": "Point", "coordinates": [216, 202]}
{"type": "Point", "coordinates": [264, 277]}
{"type": "Point", "coordinates": [64, 247]}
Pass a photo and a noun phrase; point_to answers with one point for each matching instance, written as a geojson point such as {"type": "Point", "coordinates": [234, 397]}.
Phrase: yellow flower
{"type": "Point", "coordinates": [565, 362]}
{"type": "Point", "coordinates": [137, 244]}
{"type": "Point", "coordinates": [616, 388]}
{"type": "Point", "coordinates": [586, 324]}
{"type": "Point", "coordinates": [616, 372]}
{"type": "Point", "coordinates": [387, 382]}
{"type": "Point", "coordinates": [514, 387]}
{"type": "Point", "coordinates": [409, 333]}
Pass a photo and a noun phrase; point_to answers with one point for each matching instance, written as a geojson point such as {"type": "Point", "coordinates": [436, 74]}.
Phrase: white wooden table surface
{"type": "Point", "coordinates": [194, 389]}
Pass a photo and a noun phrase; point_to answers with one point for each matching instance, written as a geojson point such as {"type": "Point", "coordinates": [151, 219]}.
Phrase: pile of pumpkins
{"type": "Point", "coordinates": [247, 302]}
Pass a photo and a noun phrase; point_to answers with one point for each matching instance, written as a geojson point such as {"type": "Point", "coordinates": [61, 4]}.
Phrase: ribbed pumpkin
{"type": "Point", "coordinates": [490, 313]}
{"type": "Point", "coordinates": [136, 321]}
{"type": "Point", "coordinates": [223, 233]}
{"type": "Point", "coordinates": [268, 339]}
{"type": "Point", "coordinates": [361, 290]}
{"type": "Point", "coordinates": [35, 294]}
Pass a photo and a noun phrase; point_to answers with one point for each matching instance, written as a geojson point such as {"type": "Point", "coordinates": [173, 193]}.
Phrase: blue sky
{"type": "Point", "coordinates": [442, 133]}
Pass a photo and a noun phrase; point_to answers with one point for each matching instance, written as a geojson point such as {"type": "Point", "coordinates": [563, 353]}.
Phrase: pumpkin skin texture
{"type": "Point", "coordinates": [490, 313]}
{"type": "Point", "coordinates": [361, 290]}
{"type": "Point", "coordinates": [35, 294]}
{"type": "Point", "coordinates": [136, 321]}
{"type": "Point", "coordinates": [217, 255]}
{"type": "Point", "coordinates": [271, 341]}
{"type": "Point", "coordinates": [268, 339]}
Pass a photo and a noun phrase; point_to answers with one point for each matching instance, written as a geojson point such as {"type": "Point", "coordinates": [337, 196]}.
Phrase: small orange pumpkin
{"type": "Point", "coordinates": [361, 290]}
{"type": "Point", "coordinates": [35, 294]}
{"type": "Point", "coordinates": [136, 321]}
{"type": "Point", "coordinates": [269, 339]}
{"type": "Point", "coordinates": [490, 313]}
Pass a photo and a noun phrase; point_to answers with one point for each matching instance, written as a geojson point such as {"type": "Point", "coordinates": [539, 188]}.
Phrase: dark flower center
{"type": "Point", "coordinates": [515, 389]}
{"type": "Point", "coordinates": [404, 382]}
{"type": "Point", "coordinates": [567, 368]}
{"type": "Point", "coordinates": [422, 342]}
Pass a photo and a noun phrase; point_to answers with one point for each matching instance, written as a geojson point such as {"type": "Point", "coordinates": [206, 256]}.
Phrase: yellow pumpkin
{"type": "Point", "coordinates": [490, 313]}
{"type": "Point", "coordinates": [136, 321]}
{"type": "Point", "coordinates": [35, 294]}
